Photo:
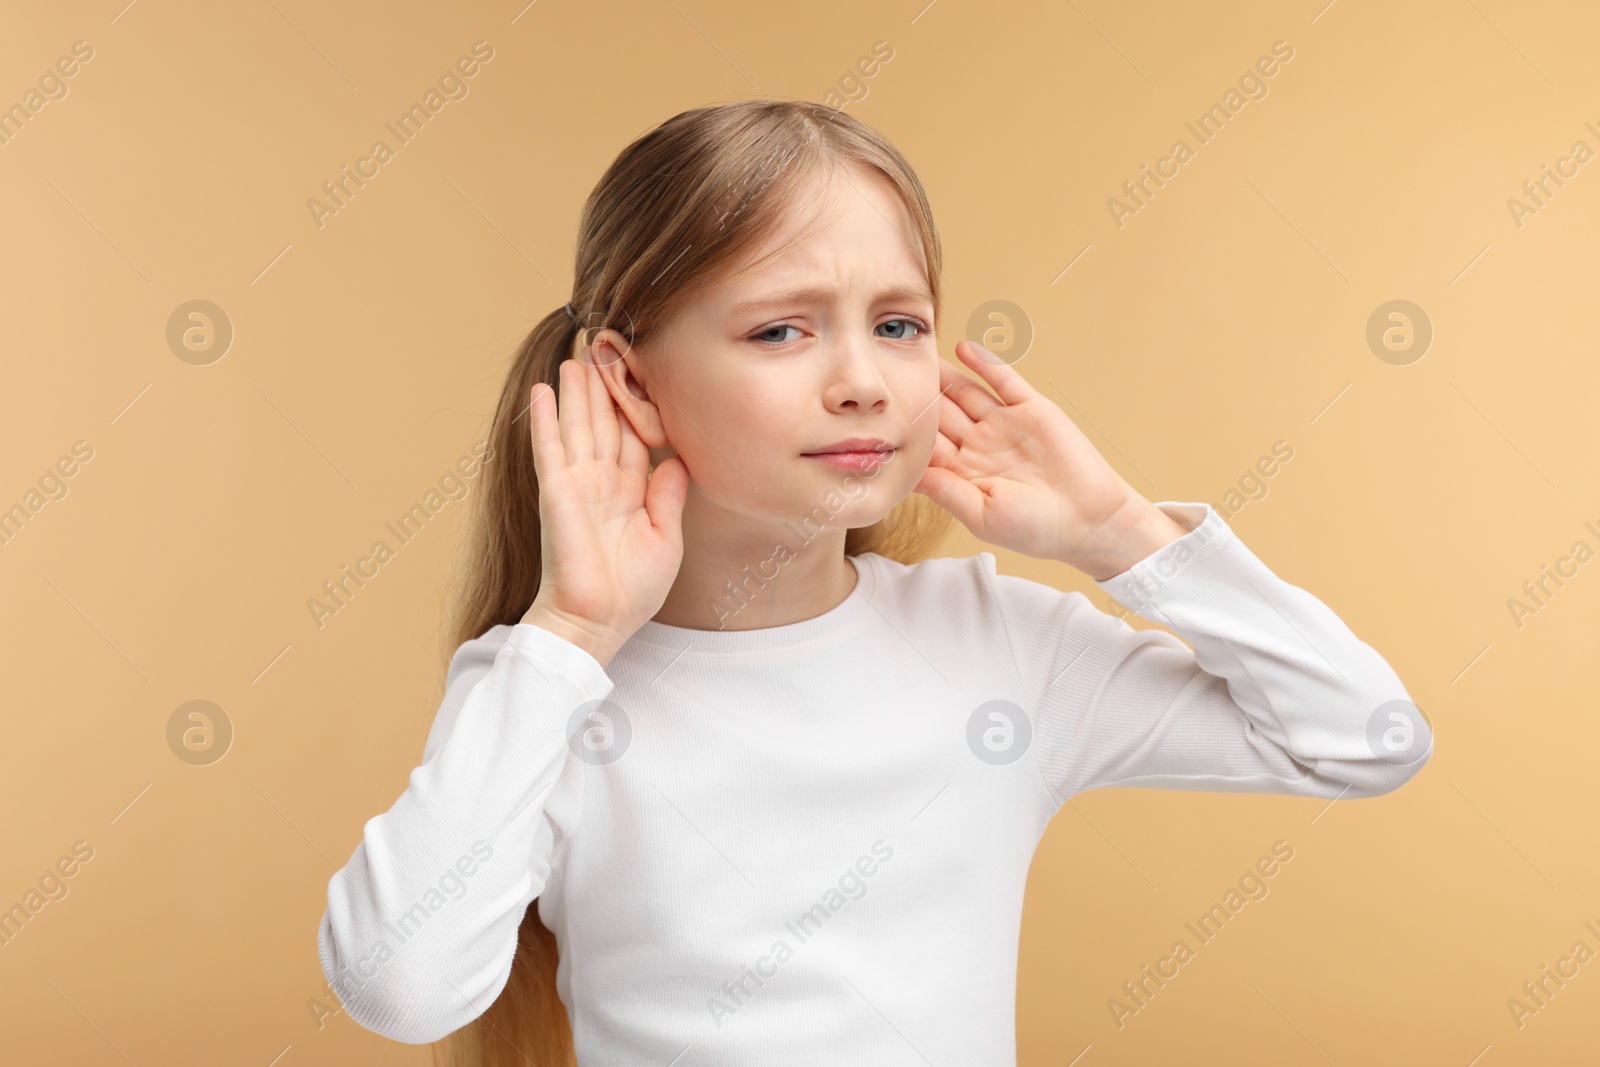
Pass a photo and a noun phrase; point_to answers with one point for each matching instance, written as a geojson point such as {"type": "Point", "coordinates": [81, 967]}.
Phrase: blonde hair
{"type": "Point", "coordinates": [677, 208]}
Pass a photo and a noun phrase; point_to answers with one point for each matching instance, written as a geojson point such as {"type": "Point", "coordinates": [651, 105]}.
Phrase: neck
{"type": "Point", "coordinates": [740, 574]}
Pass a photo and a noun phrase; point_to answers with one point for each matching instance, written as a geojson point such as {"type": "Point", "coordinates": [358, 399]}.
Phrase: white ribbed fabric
{"type": "Point", "coordinates": [808, 844]}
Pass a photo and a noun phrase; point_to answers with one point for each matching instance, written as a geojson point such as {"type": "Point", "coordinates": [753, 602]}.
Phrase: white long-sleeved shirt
{"type": "Point", "coordinates": [809, 843]}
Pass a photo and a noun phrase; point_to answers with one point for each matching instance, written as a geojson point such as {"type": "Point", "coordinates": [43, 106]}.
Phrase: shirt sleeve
{"type": "Point", "coordinates": [421, 923]}
{"type": "Point", "coordinates": [1269, 692]}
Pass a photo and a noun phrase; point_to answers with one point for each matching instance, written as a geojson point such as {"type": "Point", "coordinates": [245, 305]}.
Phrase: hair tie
{"type": "Point", "coordinates": [573, 315]}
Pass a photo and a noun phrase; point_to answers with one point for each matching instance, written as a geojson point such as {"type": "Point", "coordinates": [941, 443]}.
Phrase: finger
{"type": "Point", "coordinates": [664, 498]}
{"type": "Point", "coordinates": [953, 422]}
{"type": "Point", "coordinates": [944, 451]}
{"type": "Point", "coordinates": [956, 495]}
{"type": "Point", "coordinates": [576, 438]}
{"type": "Point", "coordinates": [633, 454]}
{"type": "Point", "coordinates": [603, 415]}
{"type": "Point", "coordinates": [974, 400]}
{"type": "Point", "coordinates": [1011, 386]}
{"type": "Point", "coordinates": [547, 451]}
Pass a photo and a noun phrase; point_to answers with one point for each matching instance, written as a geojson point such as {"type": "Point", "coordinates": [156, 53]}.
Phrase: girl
{"type": "Point", "coordinates": [769, 777]}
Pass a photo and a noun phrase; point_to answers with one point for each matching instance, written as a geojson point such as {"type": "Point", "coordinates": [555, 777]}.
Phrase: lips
{"type": "Point", "coordinates": [854, 446]}
{"type": "Point", "coordinates": [854, 460]}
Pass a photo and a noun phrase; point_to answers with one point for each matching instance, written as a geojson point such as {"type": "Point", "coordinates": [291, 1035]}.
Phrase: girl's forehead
{"type": "Point", "coordinates": [837, 249]}
{"type": "Point", "coordinates": [845, 228]}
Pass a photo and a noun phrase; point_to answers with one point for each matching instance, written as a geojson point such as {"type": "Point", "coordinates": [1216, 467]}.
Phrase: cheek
{"type": "Point", "coordinates": [726, 436]}
{"type": "Point", "coordinates": [922, 404]}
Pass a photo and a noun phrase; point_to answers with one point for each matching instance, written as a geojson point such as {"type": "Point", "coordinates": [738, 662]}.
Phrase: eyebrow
{"type": "Point", "coordinates": [815, 293]}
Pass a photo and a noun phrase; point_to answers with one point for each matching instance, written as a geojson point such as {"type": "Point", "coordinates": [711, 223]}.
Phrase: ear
{"type": "Point", "coordinates": [620, 364]}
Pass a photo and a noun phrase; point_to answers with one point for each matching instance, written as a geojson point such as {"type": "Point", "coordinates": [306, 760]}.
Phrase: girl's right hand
{"type": "Point", "coordinates": [610, 531]}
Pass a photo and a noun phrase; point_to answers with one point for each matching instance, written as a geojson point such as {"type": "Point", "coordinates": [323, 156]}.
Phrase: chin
{"type": "Point", "coordinates": [847, 507]}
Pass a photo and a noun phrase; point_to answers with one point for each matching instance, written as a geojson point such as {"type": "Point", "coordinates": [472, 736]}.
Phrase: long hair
{"type": "Point", "coordinates": [678, 208]}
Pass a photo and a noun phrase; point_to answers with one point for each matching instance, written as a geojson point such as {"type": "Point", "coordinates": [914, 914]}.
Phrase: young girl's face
{"type": "Point", "coordinates": [829, 341]}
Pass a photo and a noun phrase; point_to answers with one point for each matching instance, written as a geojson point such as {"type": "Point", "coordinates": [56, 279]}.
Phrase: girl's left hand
{"type": "Point", "coordinates": [1018, 473]}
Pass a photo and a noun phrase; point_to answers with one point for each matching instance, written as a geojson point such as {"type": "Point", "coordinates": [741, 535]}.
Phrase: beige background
{"type": "Point", "coordinates": [1228, 314]}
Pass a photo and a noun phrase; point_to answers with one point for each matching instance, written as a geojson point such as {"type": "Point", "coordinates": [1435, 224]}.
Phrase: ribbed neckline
{"type": "Point", "coordinates": [680, 638]}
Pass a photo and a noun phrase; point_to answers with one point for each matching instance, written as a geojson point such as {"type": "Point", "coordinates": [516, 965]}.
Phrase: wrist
{"type": "Point", "coordinates": [1137, 531]}
{"type": "Point", "coordinates": [597, 641]}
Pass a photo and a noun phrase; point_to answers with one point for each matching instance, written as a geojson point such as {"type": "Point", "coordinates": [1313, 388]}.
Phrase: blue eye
{"type": "Point", "coordinates": [921, 327]}
{"type": "Point", "coordinates": [763, 336]}
{"type": "Point", "coordinates": [769, 329]}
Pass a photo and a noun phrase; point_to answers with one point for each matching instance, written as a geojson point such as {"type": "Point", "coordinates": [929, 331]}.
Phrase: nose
{"type": "Point", "coordinates": [854, 379]}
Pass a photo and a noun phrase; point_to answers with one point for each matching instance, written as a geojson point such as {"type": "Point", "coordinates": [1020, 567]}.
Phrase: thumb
{"type": "Point", "coordinates": [664, 496]}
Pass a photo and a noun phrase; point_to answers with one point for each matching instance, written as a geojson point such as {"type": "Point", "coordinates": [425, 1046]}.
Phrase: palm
{"type": "Point", "coordinates": [610, 532]}
{"type": "Point", "coordinates": [1016, 471]}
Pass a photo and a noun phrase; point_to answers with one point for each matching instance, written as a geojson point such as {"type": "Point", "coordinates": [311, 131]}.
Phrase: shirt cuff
{"type": "Point", "coordinates": [1139, 587]}
{"type": "Point", "coordinates": [572, 664]}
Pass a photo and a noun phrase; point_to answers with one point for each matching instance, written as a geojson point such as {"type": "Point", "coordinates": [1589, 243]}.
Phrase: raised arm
{"type": "Point", "coordinates": [1276, 694]}
{"type": "Point", "coordinates": [421, 923]}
